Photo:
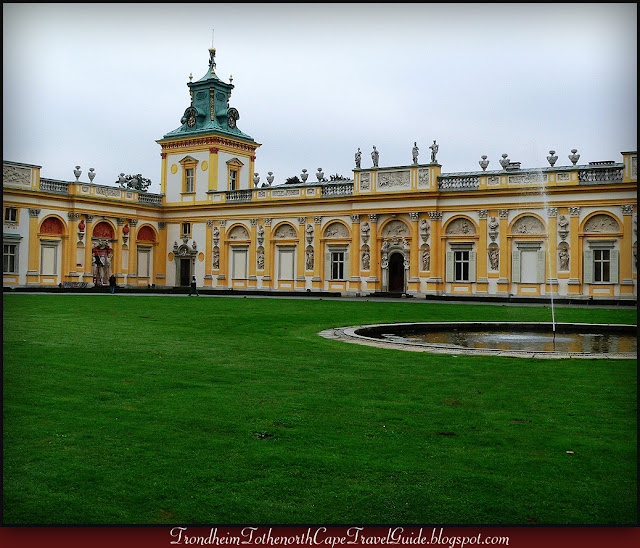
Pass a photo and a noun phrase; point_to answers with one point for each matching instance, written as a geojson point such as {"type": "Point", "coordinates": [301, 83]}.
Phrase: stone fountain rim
{"type": "Point", "coordinates": [350, 334]}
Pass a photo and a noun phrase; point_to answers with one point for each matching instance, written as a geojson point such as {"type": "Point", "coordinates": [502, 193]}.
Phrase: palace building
{"type": "Point", "coordinates": [565, 230]}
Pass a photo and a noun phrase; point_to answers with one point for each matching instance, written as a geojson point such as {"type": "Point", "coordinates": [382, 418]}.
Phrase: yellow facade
{"type": "Point", "coordinates": [557, 230]}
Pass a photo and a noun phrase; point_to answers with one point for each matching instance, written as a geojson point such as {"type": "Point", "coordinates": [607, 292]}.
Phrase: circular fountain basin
{"type": "Point", "coordinates": [538, 340]}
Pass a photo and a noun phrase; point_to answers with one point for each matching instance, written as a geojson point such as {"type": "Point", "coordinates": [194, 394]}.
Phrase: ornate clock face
{"type": "Point", "coordinates": [233, 117]}
{"type": "Point", "coordinates": [191, 117]}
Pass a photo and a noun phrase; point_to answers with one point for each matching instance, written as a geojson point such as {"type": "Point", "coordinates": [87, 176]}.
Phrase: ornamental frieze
{"type": "Point", "coordinates": [238, 233]}
{"type": "Point", "coordinates": [394, 179]}
{"type": "Point", "coordinates": [603, 224]}
{"type": "Point", "coordinates": [395, 229]}
{"type": "Point", "coordinates": [528, 225]}
{"type": "Point", "coordinates": [208, 141]}
{"type": "Point", "coordinates": [336, 230]}
{"type": "Point", "coordinates": [285, 232]}
{"type": "Point", "coordinates": [14, 175]}
{"type": "Point", "coordinates": [460, 227]}
{"type": "Point", "coordinates": [423, 178]}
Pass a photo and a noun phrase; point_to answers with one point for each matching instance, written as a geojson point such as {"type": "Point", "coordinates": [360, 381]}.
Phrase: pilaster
{"type": "Point", "coordinates": [626, 251]}
{"type": "Point", "coordinates": [413, 283]}
{"type": "Point", "coordinates": [575, 275]}
{"type": "Point", "coordinates": [482, 282]}
{"type": "Point", "coordinates": [267, 279]}
{"type": "Point", "coordinates": [435, 284]}
{"type": "Point", "coordinates": [300, 281]}
{"type": "Point", "coordinates": [318, 262]}
{"type": "Point", "coordinates": [253, 280]}
{"type": "Point", "coordinates": [504, 267]}
{"type": "Point", "coordinates": [160, 255]}
{"type": "Point", "coordinates": [373, 282]}
{"type": "Point", "coordinates": [34, 248]}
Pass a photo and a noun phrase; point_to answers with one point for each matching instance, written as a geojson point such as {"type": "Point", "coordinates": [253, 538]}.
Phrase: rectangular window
{"type": "Point", "coordinates": [186, 229]}
{"type": "Point", "coordinates": [233, 179]}
{"type": "Point", "coordinates": [188, 185]}
{"type": "Point", "coordinates": [461, 266]}
{"type": "Point", "coordinates": [601, 265]}
{"type": "Point", "coordinates": [10, 258]}
{"type": "Point", "coordinates": [10, 215]}
{"type": "Point", "coordinates": [337, 265]}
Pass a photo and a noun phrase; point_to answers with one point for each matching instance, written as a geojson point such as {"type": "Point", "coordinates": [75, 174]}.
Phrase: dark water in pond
{"type": "Point", "coordinates": [529, 341]}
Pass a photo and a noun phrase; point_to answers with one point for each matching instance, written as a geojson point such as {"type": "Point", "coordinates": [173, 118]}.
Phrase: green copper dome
{"type": "Point", "coordinates": [209, 112]}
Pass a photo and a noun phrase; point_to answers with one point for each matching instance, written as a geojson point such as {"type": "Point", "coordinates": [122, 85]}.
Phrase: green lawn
{"type": "Point", "coordinates": [167, 409]}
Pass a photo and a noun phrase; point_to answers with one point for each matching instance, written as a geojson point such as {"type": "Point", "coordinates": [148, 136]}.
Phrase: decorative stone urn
{"type": "Point", "coordinates": [505, 161]}
{"type": "Point", "coordinates": [552, 158]}
{"type": "Point", "coordinates": [484, 163]}
{"type": "Point", "coordinates": [573, 156]}
{"type": "Point", "coordinates": [320, 175]}
{"type": "Point", "coordinates": [270, 178]}
{"type": "Point", "coordinates": [304, 176]}
{"type": "Point", "coordinates": [256, 179]}
{"type": "Point", "coordinates": [77, 172]}
{"type": "Point", "coordinates": [92, 174]}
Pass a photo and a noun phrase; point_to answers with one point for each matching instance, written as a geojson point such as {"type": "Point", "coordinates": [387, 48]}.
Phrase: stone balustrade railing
{"type": "Point", "coordinates": [60, 187]}
{"type": "Point", "coordinates": [471, 182]}
{"type": "Point", "coordinates": [236, 196]}
{"type": "Point", "coordinates": [338, 189]}
{"type": "Point", "coordinates": [600, 175]}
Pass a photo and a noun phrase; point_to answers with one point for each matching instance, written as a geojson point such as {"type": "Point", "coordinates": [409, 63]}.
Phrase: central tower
{"type": "Point", "coordinates": [207, 153]}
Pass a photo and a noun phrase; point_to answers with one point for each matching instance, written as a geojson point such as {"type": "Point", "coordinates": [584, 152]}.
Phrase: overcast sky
{"type": "Point", "coordinates": [97, 85]}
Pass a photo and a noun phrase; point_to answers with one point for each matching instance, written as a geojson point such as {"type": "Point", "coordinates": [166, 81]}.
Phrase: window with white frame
{"type": "Point", "coordinates": [337, 265]}
{"type": "Point", "coordinates": [460, 263]}
{"type": "Point", "coordinates": [10, 258]}
{"type": "Point", "coordinates": [186, 229]}
{"type": "Point", "coordinates": [233, 179]}
{"type": "Point", "coordinates": [601, 262]}
{"type": "Point", "coordinates": [188, 184]}
{"type": "Point", "coordinates": [11, 215]}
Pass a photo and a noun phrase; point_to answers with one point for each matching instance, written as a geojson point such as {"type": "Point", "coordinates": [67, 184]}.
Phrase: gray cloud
{"type": "Point", "coordinates": [98, 84]}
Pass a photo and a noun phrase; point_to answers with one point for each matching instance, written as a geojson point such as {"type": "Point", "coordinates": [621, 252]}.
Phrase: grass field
{"type": "Point", "coordinates": [153, 409]}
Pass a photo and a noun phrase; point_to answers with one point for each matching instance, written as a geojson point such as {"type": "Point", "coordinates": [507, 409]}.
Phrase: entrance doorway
{"type": "Point", "coordinates": [396, 273]}
{"type": "Point", "coordinates": [185, 272]}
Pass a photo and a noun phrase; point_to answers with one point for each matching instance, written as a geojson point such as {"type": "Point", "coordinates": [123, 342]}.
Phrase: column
{"type": "Point", "coordinates": [72, 274]}
{"type": "Point", "coordinates": [132, 267]}
{"type": "Point", "coordinates": [482, 282]}
{"type": "Point", "coordinates": [267, 279]}
{"type": "Point", "coordinates": [213, 169]}
{"type": "Point", "coordinates": [504, 267]}
{"type": "Point", "coordinates": [413, 283]}
{"type": "Point", "coordinates": [222, 274]}
{"type": "Point", "coordinates": [88, 248]}
{"type": "Point", "coordinates": [575, 260]}
{"type": "Point", "coordinates": [626, 251]}
{"type": "Point", "coordinates": [253, 280]}
{"type": "Point", "coordinates": [117, 263]}
{"type": "Point", "coordinates": [208, 254]}
{"type": "Point", "coordinates": [318, 256]}
{"type": "Point", "coordinates": [160, 255]}
{"type": "Point", "coordinates": [435, 284]}
{"type": "Point", "coordinates": [163, 177]}
{"type": "Point", "coordinates": [354, 254]}
{"type": "Point", "coordinates": [300, 282]}
{"type": "Point", "coordinates": [33, 269]}
{"type": "Point", "coordinates": [552, 251]}
{"type": "Point", "coordinates": [373, 282]}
